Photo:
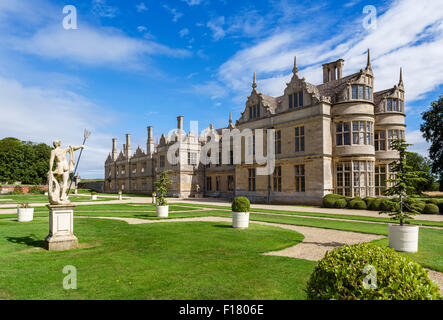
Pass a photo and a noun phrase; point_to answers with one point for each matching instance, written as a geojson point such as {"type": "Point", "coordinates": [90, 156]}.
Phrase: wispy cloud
{"type": "Point", "coordinates": [193, 2]}
{"type": "Point", "coordinates": [184, 32]}
{"type": "Point", "coordinates": [141, 7]}
{"type": "Point", "coordinates": [216, 26]}
{"type": "Point", "coordinates": [175, 13]}
{"type": "Point", "coordinates": [102, 9]}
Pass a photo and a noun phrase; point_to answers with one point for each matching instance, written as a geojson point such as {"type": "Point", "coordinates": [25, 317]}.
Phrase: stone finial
{"type": "Point", "coordinates": [400, 82]}
{"type": "Point", "coordinates": [254, 83]}
{"type": "Point", "coordinates": [295, 69]}
{"type": "Point", "coordinates": [230, 118]}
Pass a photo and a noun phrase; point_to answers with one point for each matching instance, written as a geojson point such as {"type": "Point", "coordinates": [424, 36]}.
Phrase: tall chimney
{"type": "Point", "coordinates": [114, 148]}
{"type": "Point", "coordinates": [180, 123]}
{"type": "Point", "coordinates": [150, 142]}
{"type": "Point", "coordinates": [128, 145]}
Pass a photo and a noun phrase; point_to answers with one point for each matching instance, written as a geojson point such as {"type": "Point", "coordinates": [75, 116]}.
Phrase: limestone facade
{"type": "Point", "coordinates": [332, 137]}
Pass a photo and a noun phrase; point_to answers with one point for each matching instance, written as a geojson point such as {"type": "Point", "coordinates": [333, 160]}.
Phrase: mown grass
{"type": "Point", "coordinates": [40, 198]}
{"type": "Point", "coordinates": [197, 260]}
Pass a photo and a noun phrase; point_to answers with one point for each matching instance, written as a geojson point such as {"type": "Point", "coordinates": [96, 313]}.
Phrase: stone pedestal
{"type": "Point", "coordinates": [61, 228]}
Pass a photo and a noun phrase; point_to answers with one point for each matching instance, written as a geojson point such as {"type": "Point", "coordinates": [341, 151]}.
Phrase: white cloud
{"type": "Point", "coordinates": [141, 7]}
{"type": "Point", "coordinates": [43, 115]}
{"type": "Point", "coordinates": [91, 46]}
{"type": "Point", "coordinates": [211, 89]}
{"type": "Point", "coordinates": [193, 2]}
{"type": "Point", "coordinates": [411, 38]}
{"type": "Point", "coordinates": [100, 8]}
{"type": "Point", "coordinates": [184, 32]}
{"type": "Point", "coordinates": [175, 14]}
{"type": "Point", "coordinates": [419, 144]}
{"type": "Point", "coordinates": [216, 26]}
{"type": "Point", "coordinates": [141, 28]}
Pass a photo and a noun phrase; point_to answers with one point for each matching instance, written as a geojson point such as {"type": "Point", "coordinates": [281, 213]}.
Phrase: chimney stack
{"type": "Point", "coordinates": [150, 143]}
{"type": "Point", "coordinates": [128, 145]}
{"type": "Point", "coordinates": [114, 148]}
{"type": "Point", "coordinates": [333, 70]}
{"type": "Point", "coordinates": [180, 123]}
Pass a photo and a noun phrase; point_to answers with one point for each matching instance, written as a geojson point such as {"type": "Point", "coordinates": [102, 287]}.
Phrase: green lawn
{"type": "Point", "coordinates": [196, 260]}
{"type": "Point", "coordinates": [190, 260]}
{"type": "Point", "coordinates": [40, 198]}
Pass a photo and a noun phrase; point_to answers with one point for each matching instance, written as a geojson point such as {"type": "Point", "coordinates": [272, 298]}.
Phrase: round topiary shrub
{"type": "Point", "coordinates": [375, 205]}
{"type": "Point", "coordinates": [241, 204]}
{"type": "Point", "coordinates": [369, 200]}
{"type": "Point", "coordinates": [430, 209]}
{"type": "Point", "coordinates": [433, 201]}
{"type": "Point", "coordinates": [419, 206]}
{"type": "Point", "coordinates": [346, 273]}
{"type": "Point", "coordinates": [388, 205]}
{"type": "Point", "coordinates": [329, 200]}
{"type": "Point", "coordinates": [340, 203]}
{"type": "Point", "coordinates": [357, 204]}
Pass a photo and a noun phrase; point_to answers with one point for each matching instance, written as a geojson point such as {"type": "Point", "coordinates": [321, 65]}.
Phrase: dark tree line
{"type": "Point", "coordinates": [432, 129]}
{"type": "Point", "coordinates": [23, 161]}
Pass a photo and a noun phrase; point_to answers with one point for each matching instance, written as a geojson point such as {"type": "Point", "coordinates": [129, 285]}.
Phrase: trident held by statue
{"type": "Point", "coordinates": [86, 134]}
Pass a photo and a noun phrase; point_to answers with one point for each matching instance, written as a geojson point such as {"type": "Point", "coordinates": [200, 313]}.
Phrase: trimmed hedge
{"type": "Point", "coordinates": [329, 200]}
{"type": "Point", "coordinates": [431, 209]}
{"type": "Point", "coordinates": [241, 204]}
{"type": "Point", "coordinates": [340, 203]}
{"type": "Point", "coordinates": [357, 204]}
{"type": "Point", "coordinates": [340, 275]}
{"type": "Point", "coordinates": [433, 201]}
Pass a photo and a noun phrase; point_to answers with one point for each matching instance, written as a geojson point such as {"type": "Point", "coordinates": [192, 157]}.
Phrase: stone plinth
{"type": "Point", "coordinates": [61, 228]}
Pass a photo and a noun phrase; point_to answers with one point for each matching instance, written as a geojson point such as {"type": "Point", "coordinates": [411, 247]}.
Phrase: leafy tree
{"type": "Point", "coordinates": [23, 161]}
{"type": "Point", "coordinates": [432, 130]}
{"type": "Point", "coordinates": [420, 163]}
{"type": "Point", "coordinates": [403, 185]}
{"type": "Point", "coordinates": [162, 187]}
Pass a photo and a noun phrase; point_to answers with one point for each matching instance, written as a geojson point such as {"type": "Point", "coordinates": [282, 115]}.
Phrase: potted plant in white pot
{"type": "Point", "coordinates": [402, 236]}
{"type": "Point", "coordinates": [240, 212]}
{"type": "Point", "coordinates": [24, 212]}
{"type": "Point", "coordinates": [93, 195]}
{"type": "Point", "coordinates": [162, 188]}
{"type": "Point", "coordinates": [120, 197]}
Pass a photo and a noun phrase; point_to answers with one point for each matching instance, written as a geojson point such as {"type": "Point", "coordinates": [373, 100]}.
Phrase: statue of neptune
{"type": "Point", "coordinates": [57, 190]}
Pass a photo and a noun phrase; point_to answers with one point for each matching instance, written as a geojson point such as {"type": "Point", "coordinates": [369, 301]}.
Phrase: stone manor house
{"type": "Point", "coordinates": [333, 137]}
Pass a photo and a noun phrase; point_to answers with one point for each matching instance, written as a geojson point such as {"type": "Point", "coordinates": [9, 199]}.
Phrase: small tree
{"type": "Point", "coordinates": [403, 185]}
{"type": "Point", "coordinates": [162, 187]}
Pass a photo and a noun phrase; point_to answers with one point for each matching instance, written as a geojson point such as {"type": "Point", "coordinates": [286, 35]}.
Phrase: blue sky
{"type": "Point", "coordinates": [136, 63]}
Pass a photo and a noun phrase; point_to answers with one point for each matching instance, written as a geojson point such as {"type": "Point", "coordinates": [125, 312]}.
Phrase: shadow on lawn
{"type": "Point", "coordinates": [30, 241]}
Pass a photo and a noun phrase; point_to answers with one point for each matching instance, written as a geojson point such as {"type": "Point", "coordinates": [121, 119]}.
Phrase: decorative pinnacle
{"type": "Point", "coordinates": [295, 69]}
{"type": "Point", "coordinates": [368, 63]}
{"type": "Point", "coordinates": [230, 118]}
{"type": "Point", "coordinates": [400, 82]}
{"type": "Point", "coordinates": [254, 83]}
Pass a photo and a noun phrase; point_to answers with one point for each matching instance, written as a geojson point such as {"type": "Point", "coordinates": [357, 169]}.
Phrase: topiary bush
{"type": "Point", "coordinates": [433, 201]}
{"type": "Point", "coordinates": [388, 205]}
{"type": "Point", "coordinates": [419, 206]}
{"type": "Point", "coordinates": [340, 275]}
{"type": "Point", "coordinates": [357, 204]}
{"type": "Point", "coordinates": [369, 200]}
{"type": "Point", "coordinates": [431, 209]}
{"type": "Point", "coordinates": [340, 203]}
{"type": "Point", "coordinates": [329, 200]}
{"type": "Point", "coordinates": [241, 204]}
{"type": "Point", "coordinates": [375, 205]}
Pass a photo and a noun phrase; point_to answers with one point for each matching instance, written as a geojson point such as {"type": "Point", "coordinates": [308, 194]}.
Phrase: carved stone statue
{"type": "Point", "coordinates": [58, 177]}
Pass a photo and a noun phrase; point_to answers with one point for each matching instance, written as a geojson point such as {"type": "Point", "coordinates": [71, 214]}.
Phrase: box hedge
{"type": "Point", "coordinates": [341, 275]}
{"type": "Point", "coordinates": [241, 204]}
{"type": "Point", "coordinates": [340, 203]}
{"type": "Point", "coordinates": [430, 209]}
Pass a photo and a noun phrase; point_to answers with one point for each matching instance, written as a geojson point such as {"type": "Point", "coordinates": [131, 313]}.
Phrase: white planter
{"type": "Point", "coordinates": [162, 211]}
{"type": "Point", "coordinates": [240, 219]}
{"type": "Point", "coordinates": [120, 197]}
{"type": "Point", "coordinates": [403, 238]}
{"type": "Point", "coordinates": [25, 214]}
{"type": "Point", "coordinates": [94, 197]}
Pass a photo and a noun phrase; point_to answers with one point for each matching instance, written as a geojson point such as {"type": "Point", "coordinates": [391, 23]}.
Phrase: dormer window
{"type": "Point", "coordinates": [296, 100]}
{"type": "Point", "coordinates": [361, 92]}
{"type": "Point", "coordinates": [394, 104]}
{"type": "Point", "coordinates": [254, 111]}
